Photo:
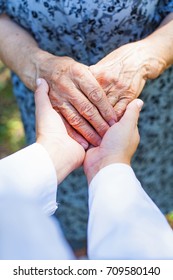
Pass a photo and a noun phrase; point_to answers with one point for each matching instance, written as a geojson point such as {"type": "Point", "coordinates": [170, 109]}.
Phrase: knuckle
{"type": "Point", "coordinates": [119, 85]}
{"type": "Point", "coordinates": [90, 135]}
{"type": "Point", "coordinates": [102, 128]}
{"type": "Point", "coordinates": [76, 69]}
{"type": "Point", "coordinates": [119, 113]}
{"type": "Point", "coordinates": [95, 95]}
{"type": "Point", "coordinates": [57, 102]}
{"type": "Point", "coordinates": [120, 109]}
{"type": "Point", "coordinates": [113, 99]}
{"type": "Point", "coordinates": [62, 86]}
{"type": "Point", "coordinates": [74, 120]}
{"type": "Point", "coordinates": [56, 76]}
{"type": "Point", "coordinates": [108, 112]}
{"type": "Point", "coordinates": [131, 93]}
{"type": "Point", "coordinates": [88, 110]}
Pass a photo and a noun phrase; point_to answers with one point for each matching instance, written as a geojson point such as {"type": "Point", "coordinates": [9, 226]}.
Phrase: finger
{"type": "Point", "coordinates": [76, 136]}
{"type": "Point", "coordinates": [79, 124]}
{"type": "Point", "coordinates": [91, 88]}
{"type": "Point", "coordinates": [41, 97]}
{"type": "Point", "coordinates": [120, 107]}
{"type": "Point", "coordinates": [112, 98]}
{"type": "Point", "coordinates": [131, 114]}
{"type": "Point", "coordinates": [89, 112]}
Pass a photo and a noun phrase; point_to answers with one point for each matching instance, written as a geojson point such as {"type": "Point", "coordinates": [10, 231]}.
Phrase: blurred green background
{"type": "Point", "coordinates": [11, 129]}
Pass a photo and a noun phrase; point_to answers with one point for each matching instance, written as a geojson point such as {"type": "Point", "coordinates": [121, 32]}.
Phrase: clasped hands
{"type": "Point", "coordinates": [92, 98]}
{"type": "Point", "coordinates": [117, 145]}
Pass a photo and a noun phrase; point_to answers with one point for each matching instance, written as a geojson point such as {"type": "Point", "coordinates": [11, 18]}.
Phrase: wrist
{"type": "Point", "coordinates": [159, 45]}
{"type": "Point", "coordinates": [57, 156]}
{"type": "Point", "coordinates": [29, 72]}
{"type": "Point", "coordinates": [152, 62]}
{"type": "Point", "coordinates": [60, 153]}
{"type": "Point", "coordinates": [92, 168]}
{"type": "Point", "coordinates": [37, 60]}
{"type": "Point", "coordinates": [37, 66]}
{"type": "Point", "coordinates": [50, 67]}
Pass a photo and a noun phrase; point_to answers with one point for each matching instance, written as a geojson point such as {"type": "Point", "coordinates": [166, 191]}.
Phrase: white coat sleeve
{"type": "Point", "coordinates": [124, 223]}
{"type": "Point", "coordinates": [30, 172]}
{"type": "Point", "coordinates": [27, 181]}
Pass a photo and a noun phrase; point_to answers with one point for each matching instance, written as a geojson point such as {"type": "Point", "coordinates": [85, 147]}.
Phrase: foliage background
{"type": "Point", "coordinates": [11, 128]}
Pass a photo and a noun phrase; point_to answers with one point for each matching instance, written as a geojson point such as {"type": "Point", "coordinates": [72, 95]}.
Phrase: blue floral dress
{"type": "Point", "coordinates": [87, 31]}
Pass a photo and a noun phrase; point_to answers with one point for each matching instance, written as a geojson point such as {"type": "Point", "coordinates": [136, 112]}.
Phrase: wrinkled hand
{"type": "Point", "coordinates": [78, 97]}
{"type": "Point", "coordinates": [65, 153]}
{"type": "Point", "coordinates": [118, 144]}
{"type": "Point", "coordinates": [123, 73]}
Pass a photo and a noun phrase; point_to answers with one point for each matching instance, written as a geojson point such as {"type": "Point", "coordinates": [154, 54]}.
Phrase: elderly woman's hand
{"type": "Point", "coordinates": [123, 73]}
{"type": "Point", "coordinates": [74, 91]}
{"type": "Point", "coordinates": [78, 97]}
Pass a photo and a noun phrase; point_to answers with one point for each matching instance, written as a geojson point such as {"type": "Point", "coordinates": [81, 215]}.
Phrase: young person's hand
{"type": "Point", "coordinates": [118, 144]}
{"type": "Point", "coordinates": [65, 153]}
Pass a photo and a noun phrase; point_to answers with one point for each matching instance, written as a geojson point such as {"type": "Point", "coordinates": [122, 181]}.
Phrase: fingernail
{"type": "Point", "coordinates": [38, 82]}
{"type": "Point", "coordinates": [139, 103]}
{"type": "Point", "coordinates": [85, 145]}
{"type": "Point", "coordinates": [112, 122]}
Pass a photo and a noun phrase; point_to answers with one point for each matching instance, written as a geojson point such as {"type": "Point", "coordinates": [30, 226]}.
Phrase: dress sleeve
{"type": "Point", "coordinates": [165, 7]}
{"type": "Point", "coordinates": [2, 6]}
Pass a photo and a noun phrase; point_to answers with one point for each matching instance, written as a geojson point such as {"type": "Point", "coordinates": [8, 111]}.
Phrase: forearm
{"type": "Point", "coordinates": [93, 169]}
{"type": "Point", "coordinates": [123, 221]}
{"type": "Point", "coordinates": [19, 51]}
{"type": "Point", "coordinates": [160, 48]}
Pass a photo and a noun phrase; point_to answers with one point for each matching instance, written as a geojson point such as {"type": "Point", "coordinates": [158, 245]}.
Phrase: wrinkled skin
{"type": "Point", "coordinates": [78, 97]}
{"type": "Point", "coordinates": [123, 73]}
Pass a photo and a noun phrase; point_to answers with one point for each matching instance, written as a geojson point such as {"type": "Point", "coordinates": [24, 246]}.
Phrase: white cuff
{"type": "Point", "coordinates": [117, 178]}
{"type": "Point", "coordinates": [30, 172]}
{"type": "Point", "coordinates": [124, 223]}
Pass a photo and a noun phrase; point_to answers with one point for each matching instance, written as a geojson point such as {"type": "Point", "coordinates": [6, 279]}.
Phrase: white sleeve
{"type": "Point", "coordinates": [124, 223]}
{"type": "Point", "coordinates": [31, 173]}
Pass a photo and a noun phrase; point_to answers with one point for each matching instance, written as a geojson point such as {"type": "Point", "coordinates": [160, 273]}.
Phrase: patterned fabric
{"type": "Point", "coordinates": [87, 31]}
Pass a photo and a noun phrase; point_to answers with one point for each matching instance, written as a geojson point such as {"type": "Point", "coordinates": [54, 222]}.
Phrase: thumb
{"type": "Point", "coordinates": [42, 101]}
{"type": "Point", "coordinates": [131, 114]}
